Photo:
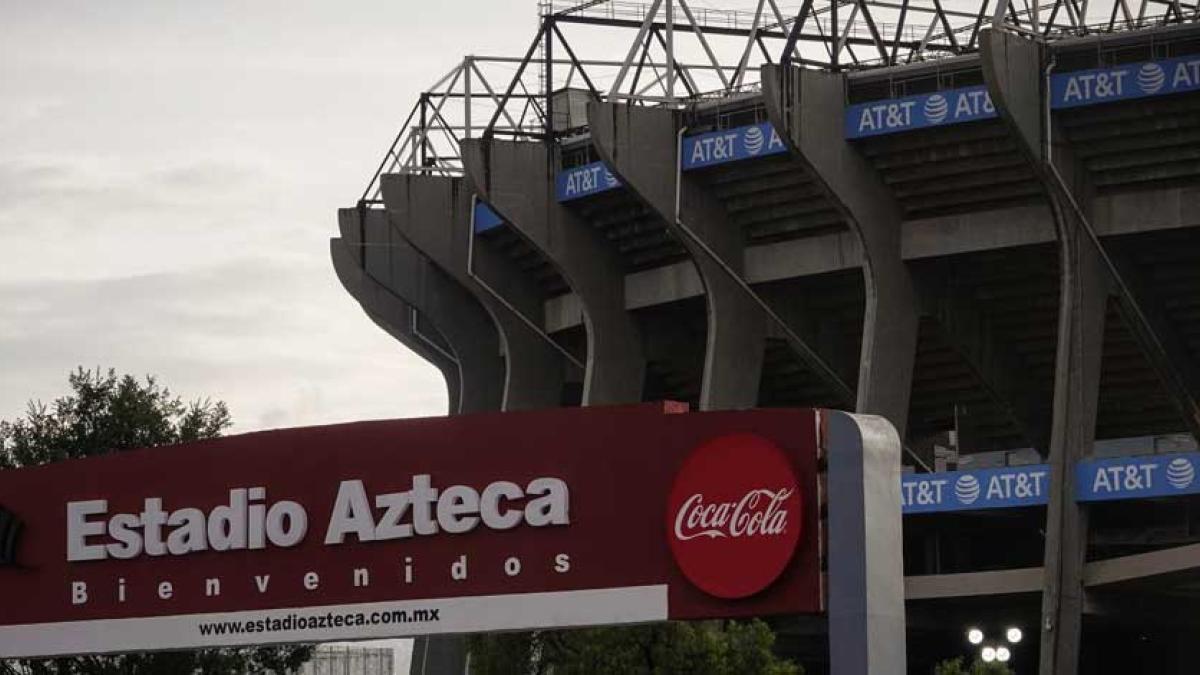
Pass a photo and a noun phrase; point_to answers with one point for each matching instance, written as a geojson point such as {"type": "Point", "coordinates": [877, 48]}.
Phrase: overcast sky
{"type": "Point", "coordinates": [169, 177]}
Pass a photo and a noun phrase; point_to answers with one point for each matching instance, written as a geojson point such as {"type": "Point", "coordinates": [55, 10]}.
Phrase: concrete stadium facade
{"type": "Point", "coordinates": [1020, 287]}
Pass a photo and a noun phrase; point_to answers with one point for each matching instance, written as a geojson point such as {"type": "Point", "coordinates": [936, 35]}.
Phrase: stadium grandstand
{"type": "Point", "coordinates": [979, 219]}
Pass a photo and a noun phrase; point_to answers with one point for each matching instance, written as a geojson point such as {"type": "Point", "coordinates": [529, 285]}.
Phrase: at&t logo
{"type": "Point", "coordinates": [734, 515]}
{"type": "Point", "coordinates": [753, 140]}
{"type": "Point", "coordinates": [936, 108]}
{"type": "Point", "coordinates": [966, 488]}
{"type": "Point", "coordinates": [1151, 78]}
{"type": "Point", "coordinates": [1180, 473]}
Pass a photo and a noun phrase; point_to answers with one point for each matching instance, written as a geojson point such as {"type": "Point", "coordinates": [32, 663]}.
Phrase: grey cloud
{"type": "Point", "coordinates": [279, 342]}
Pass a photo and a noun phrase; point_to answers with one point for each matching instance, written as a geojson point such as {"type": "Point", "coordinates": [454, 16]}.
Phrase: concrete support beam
{"type": "Point", "coordinates": [972, 584]}
{"type": "Point", "coordinates": [805, 106]}
{"type": "Point", "coordinates": [640, 146]}
{"type": "Point", "coordinates": [1012, 70]}
{"type": "Point", "coordinates": [395, 284]}
{"type": "Point", "coordinates": [1180, 564]}
{"type": "Point", "coordinates": [399, 319]}
{"type": "Point", "coordinates": [517, 180]}
{"type": "Point", "coordinates": [1122, 213]}
{"type": "Point", "coordinates": [408, 328]}
{"type": "Point", "coordinates": [434, 214]}
{"type": "Point", "coordinates": [1083, 300]}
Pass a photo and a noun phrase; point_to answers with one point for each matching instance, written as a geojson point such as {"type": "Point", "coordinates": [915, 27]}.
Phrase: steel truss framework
{"type": "Point", "coordinates": [679, 54]}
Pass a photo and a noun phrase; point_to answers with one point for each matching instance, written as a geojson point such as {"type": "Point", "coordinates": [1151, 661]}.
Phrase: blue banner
{"type": "Point", "coordinates": [890, 116]}
{"type": "Point", "coordinates": [1137, 477]}
{"type": "Point", "coordinates": [972, 490]}
{"type": "Point", "coordinates": [731, 145]}
{"type": "Point", "coordinates": [485, 217]}
{"type": "Point", "coordinates": [584, 181]}
{"type": "Point", "coordinates": [1134, 80]}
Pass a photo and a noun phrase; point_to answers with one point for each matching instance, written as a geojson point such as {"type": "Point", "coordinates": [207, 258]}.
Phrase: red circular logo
{"type": "Point", "coordinates": [733, 518]}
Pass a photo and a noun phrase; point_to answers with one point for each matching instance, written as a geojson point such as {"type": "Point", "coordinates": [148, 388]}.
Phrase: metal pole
{"type": "Point", "coordinates": [671, 50]}
{"type": "Point", "coordinates": [424, 126]}
{"type": "Point", "coordinates": [467, 93]}
{"type": "Point", "coordinates": [549, 75]}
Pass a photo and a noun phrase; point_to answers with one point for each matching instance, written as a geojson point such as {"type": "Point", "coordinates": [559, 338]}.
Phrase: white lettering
{"type": "Point", "coordinates": [552, 505]}
{"type": "Point", "coordinates": [457, 509]}
{"type": "Point", "coordinates": [757, 513]}
{"type": "Point", "coordinates": [512, 567]}
{"type": "Point", "coordinates": [79, 593]}
{"type": "Point", "coordinates": [489, 505]}
{"type": "Point", "coordinates": [351, 514]}
{"type": "Point", "coordinates": [79, 529]}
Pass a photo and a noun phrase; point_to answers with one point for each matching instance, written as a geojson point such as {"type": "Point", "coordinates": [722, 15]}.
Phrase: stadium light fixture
{"type": "Point", "coordinates": [988, 654]}
{"type": "Point", "coordinates": [974, 636]}
{"type": "Point", "coordinates": [1014, 635]}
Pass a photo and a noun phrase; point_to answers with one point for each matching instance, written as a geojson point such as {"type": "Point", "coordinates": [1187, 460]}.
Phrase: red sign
{"type": "Point", "coordinates": [447, 525]}
{"type": "Point", "coordinates": [734, 516]}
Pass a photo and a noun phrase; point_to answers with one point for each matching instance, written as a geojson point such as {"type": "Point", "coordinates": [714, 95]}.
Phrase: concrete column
{"type": "Point", "coordinates": [1083, 302]}
{"type": "Point", "coordinates": [639, 146]}
{"type": "Point", "coordinates": [388, 277]}
{"type": "Point", "coordinates": [1012, 70]}
{"type": "Point", "coordinates": [407, 327]}
{"type": "Point", "coordinates": [1014, 66]}
{"type": "Point", "coordinates": [395, 316]}
{"type": "Point", "coordinates": [434, 214]}
{"type": "Point", "coordinates": [517, 180]}
{"type": "Point", "coordinates": [806, 108]}
{"type": "Point", "coordinates": [394, 278]}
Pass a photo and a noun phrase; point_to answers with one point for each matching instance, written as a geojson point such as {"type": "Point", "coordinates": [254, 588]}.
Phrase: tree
{"type": "Point", "coordinates": [105, 413]}
{"type": "Point", "coordinates": [979, 667]}
{"type": "Point", "coordinates": [674, 648]}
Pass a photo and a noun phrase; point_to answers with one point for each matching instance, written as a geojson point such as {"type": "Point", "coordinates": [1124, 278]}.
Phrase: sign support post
{"type": "Point", "coordinates": [866, 581]}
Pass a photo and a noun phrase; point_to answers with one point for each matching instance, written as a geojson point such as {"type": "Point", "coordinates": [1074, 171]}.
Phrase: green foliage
{"type": "Point", "coordinates": [703, 648]}
{"type": "Point", "coordinates": [956, 667]}
{"type": "Point", "coordinates": [105, 413]}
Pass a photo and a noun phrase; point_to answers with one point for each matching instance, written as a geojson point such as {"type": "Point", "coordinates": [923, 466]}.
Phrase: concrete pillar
{"type": "Point", "coordinates": [393, 315]}
{"type": "Point", "coordinates": [406, 326]}
{"type": "Point", "coordinates": [388, 277]}
{"type": "Point", "coordinates": [434, 214]}
{"type": "Point", "coordinates": [517, 180]}
{"type": "Point", "coordinates": [394, 278]}
{"type": "Point", "coordinates": [1012, 70]}
{"type": "Point", "coordinates": [639, 146]}
{"type": "Point", "coordinates": [1083, 302]}
{"type": "Point", "coordinates": [806, 108]}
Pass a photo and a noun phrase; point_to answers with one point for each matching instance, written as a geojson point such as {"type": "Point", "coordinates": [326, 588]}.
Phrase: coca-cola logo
{"type": "Point", "coordinates": [734, 515]}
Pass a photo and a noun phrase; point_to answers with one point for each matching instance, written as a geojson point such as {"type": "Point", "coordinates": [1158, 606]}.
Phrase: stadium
{"type": "Point", "coordinates": [977, 219]}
